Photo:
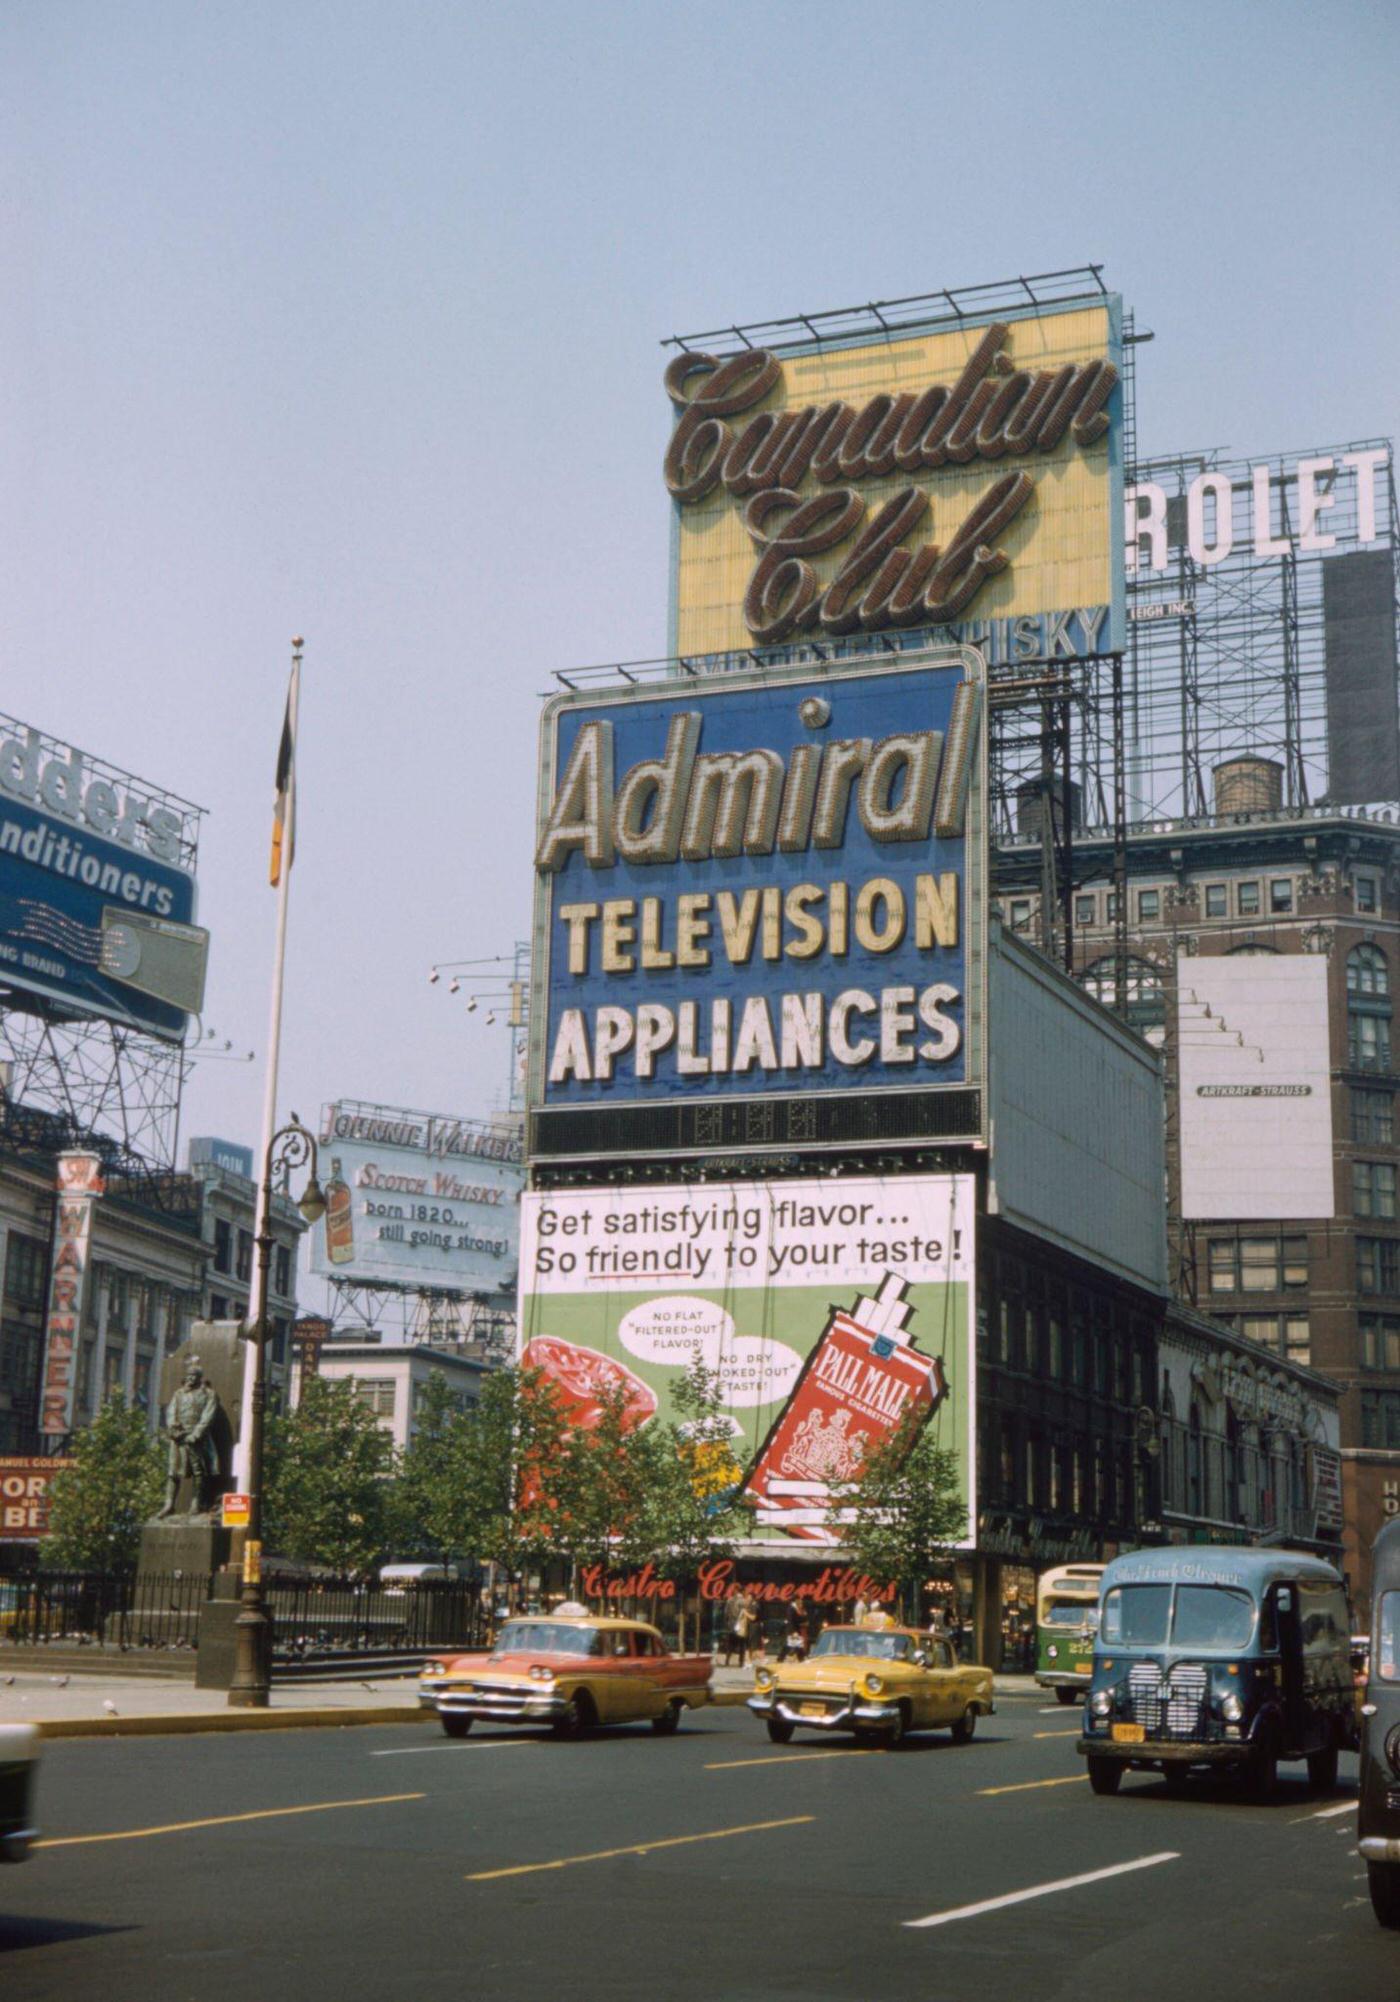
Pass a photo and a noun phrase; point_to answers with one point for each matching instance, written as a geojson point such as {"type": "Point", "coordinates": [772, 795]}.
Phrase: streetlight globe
{"type": "Point", "coordinates": [313, 1202]}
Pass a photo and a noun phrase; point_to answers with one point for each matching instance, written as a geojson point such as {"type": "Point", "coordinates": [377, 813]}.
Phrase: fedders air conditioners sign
{"type": "Point", "coordinates": [765, 890]}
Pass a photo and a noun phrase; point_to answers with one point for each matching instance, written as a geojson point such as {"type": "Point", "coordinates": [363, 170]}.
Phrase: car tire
{"type": "Point", "coordinates": [456, 1727]}
{"type": "Point", "coordinates": [1105, 1775]}
{"type": "Point", "coordinates": [577, 1717]}
{"type": "Point", "coordinates": [1322, 1769]}
{"type": "Point", "coordinates": [669, 1722]}
{"type": "Point", "coordinates": [896, 1730]}
{"type": "Point", "coordinates": [1067, 1695]}
{"type": "Point", "coordinates": [779, 1730]}
{"type": "Point", "coordinates": [1177, 1779]}
{"type": "Point", "coordinates": [1261, 1773]}
{"type": "Point", "coordinates": [1383, 1880]}
{"type": "Point", "coordinates": [966, 1726]}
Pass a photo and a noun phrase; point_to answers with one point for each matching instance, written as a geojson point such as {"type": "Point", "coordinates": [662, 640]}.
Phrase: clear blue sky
{"type": "Point", "coordinates": [341, 319]}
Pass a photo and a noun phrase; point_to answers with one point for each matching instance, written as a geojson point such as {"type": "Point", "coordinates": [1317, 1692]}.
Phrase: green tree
{"type": "Point", "coordinates": [326, 1489]}
{"type": "Point", "coordinates": [98, 1505]}
{"type": "Point", "coordinates": [692, 1510]}
{"type": "Point", "coordinates": [601, 1486]}
{"type": "Point", "coordinates": [427, 1518]}
{"type": "Point", "coordinates": [905, 1510]}
{"type": "Point", "coordinates": [484, 1477]}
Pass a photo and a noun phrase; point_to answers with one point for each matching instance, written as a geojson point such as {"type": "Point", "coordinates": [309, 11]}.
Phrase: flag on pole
{"type": "Point", "coordinates": [284, 810]}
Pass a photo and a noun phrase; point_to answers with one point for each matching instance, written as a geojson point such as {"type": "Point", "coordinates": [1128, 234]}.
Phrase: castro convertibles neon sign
{"type": "Point", "coordinates": [994, 411]}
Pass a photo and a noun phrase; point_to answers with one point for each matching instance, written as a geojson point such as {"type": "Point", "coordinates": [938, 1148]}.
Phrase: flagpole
{"type": "Point", "coordinates": [258, 1304]}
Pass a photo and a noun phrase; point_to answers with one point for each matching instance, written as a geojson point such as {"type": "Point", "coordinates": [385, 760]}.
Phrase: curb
{"type": "Point", "coordinates": [269, 1720]}
{"type": "Point", "coordinates": [220, 1720]}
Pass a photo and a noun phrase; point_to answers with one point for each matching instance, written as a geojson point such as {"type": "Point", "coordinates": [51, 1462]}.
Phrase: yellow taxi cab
{"type": "Point", "coordinates": [877, 1682]}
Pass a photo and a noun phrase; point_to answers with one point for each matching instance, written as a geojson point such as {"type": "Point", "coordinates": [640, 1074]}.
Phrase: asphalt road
{"type": "Point", "coordinates": [393, 1863]}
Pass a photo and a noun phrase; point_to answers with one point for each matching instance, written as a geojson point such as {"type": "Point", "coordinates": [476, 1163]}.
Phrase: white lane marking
{"type": "Point", "coordinates": [1055, 1710]}
{"type": "Point", "coordinates": [1324, 1813]}
{"type": "Point", "coordinates": [484, 1745]}
{"type": "Point", "coordinates": [1043, 1890]}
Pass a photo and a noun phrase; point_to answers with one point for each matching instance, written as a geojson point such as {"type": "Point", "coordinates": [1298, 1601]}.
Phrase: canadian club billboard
{"type": "Point", "coordinates": [963, 478]}
{"type": "Point", "coordinates": [830, 1311]}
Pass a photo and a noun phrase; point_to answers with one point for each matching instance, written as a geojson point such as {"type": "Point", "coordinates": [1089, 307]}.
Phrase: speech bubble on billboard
{"type": "Point", "coordinates": [675, 1329]}
{"type": "Point", "coordinates": [752, 1371]}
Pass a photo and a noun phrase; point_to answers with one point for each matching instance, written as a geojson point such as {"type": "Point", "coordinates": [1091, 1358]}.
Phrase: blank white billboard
{"type": "Point", "coordinates": [1256, 1095]}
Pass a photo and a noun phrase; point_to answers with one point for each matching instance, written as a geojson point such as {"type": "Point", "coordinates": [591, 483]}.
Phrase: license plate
{"type": "Point", "coordinates": [1129, 1734]}
{"type": "Point", "coordinates": [812, 1709]}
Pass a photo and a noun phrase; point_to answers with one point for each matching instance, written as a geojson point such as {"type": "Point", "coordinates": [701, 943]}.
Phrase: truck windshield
{"type": "Point", "coordinates": [1205, 1616]}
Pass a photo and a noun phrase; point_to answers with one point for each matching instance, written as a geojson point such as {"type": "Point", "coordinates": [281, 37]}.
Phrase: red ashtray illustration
{"type": "Point", "coordinates": [584, 1378]}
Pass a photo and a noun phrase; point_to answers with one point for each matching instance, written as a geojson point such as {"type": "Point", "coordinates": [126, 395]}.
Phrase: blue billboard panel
{"type": "Point", "coordinates": [100, 927]}
{"type": "Point", "coordinates": [761, 885]}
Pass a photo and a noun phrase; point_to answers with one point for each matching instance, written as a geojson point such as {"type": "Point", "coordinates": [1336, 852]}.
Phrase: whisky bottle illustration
{"type": "Point", "coordinates": [857, 1386]}
{"type": "Point", "coordinates": [340, 1222]}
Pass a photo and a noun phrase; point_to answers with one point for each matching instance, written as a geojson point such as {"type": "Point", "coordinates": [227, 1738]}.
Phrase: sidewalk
{"type": "Point", "coordinates": [113, 1706]}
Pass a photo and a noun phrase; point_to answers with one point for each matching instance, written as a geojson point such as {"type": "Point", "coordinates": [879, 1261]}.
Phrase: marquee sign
{"type": "Point", "coordinates": [958, 479]}
{"type": "Point", "coordinates": [79, 1187]}
{"type": "Point", "coordinates": [767, 885]}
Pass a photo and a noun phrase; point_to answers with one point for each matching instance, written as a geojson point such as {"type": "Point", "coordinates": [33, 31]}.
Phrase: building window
{"type": "Point", "coordinates": [1377, 1265]}
{"type": "Point", "coordinates": [26, 1270]}
{"type": "Point", "coordinates": [1217, 905]}
{"type": "Point", "coordinates": [1086, 910]}
{"type": "Point", "coordinates": [223, 1245]}
{"type": "Point", "coordinates": [377, 1394]}
{"type": "Point", "coordinates": [1149, 906]}
{"type": "Point", "coordinates": [1057, 1347]}
{"type": "Point", "coordinates": [1020, 913]}
{"type": "Point", "coordinates": [245, 1256]}
{"type": "Point", "coordinates": [1368, 1009]}
{"type": "Point", "coordinates": [1247, 899]}
{"type": "Point", "coordinates": [1256, 1264]}
{"type": "Point", "coordinates": [1365, 889]}
{"type": "Point", "coordinates": [283, 1281]}
{"type": "Point", "coordinates": [1380, 1418]}
{"type": "Point", "coordinates": [218, 1308]}
{"type": "Point", "coordinates": [1372, 1117]}
{"type": "Point", "coordinates": [1380, 1341]}
{"type": "Point", "coordinates": [1373, 1188]}
{"type": "Point", "coordinates": [1112, 907]}
{"type": "Point", "coordinates": [1280, 894]}
{"type": "Point", "coordinates": [1297, 1338]}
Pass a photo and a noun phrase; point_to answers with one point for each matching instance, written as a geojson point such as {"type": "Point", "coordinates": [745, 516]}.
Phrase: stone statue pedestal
{"type": "Point", "coordinates": [195, 1545]}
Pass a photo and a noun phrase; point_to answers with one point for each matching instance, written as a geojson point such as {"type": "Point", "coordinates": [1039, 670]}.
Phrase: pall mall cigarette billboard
{"type": "Point", "coordinates": [964, 479]}
{"type": "Point", "coordinates": [759, 907]}
{"type": "Point", "coordinates": [829, 1310]}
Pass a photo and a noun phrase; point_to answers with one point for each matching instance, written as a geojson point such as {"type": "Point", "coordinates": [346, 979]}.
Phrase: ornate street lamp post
{"type": "Point", "coordinates": [287, 1150]}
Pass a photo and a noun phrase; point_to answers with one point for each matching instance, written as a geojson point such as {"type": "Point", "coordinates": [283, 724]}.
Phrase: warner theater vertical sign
{"type": "Point", "coordinates": [79, 1186]}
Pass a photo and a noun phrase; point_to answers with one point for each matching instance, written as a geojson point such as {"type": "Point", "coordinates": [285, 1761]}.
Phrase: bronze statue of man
{"type": "Point", "coordinates": [194, 1450]}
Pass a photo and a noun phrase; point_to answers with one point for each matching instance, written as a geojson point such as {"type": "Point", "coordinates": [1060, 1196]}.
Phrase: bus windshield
{"type": "Point", "coordinates": [1068, 1613]}
{"type": "Point", "coordinates": [1205, 1616]}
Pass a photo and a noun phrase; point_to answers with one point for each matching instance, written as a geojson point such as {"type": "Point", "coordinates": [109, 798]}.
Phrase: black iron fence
{"type": "Point", "coordinates": [103, 1609]}
{"type": "Point", "coordinates": [320, 1619]}
{"type": "Point", "coordinates": [314, 1619]}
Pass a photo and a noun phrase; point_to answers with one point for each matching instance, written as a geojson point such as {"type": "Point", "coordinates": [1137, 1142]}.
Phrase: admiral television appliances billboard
{"type": "Point", "coordinates": [417, 1200]}
{"type": "Point", "coordinates": [759, 902]}
{"type": "Point", "coordinates": [962, 479]}
{"type": "Point", "coordinates": [97, 889]}
{"type": "Point", "coordinates": [829, 1311]}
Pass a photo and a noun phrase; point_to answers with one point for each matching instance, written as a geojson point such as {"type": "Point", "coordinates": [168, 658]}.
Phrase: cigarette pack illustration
{"type": "Point", "coordinates": [859, 1384]}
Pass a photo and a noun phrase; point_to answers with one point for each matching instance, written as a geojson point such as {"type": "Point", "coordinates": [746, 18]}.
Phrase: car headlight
{"type": "Point", "coordinates": [764, 1678]}
{"type": "Point", "coordinates": [538, 1674]}
{"type": "Point", "coordinates": [1052, 1652]}
{"type": "Point", "coordinates": [872, 1685]}
{"type": "Point", "coordinates": [1231, 1709]}
{"type": "Point", "coordinates": [1101, 1702]}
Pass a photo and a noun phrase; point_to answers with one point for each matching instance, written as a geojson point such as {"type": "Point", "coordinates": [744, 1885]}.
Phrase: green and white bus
{"type": "Point", "coordinates": [1066, 1618]}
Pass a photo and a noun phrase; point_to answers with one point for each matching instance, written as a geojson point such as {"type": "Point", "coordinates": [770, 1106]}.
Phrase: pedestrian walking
{"type": "Point", "coordinates": [736, 1639]}
{"type": "Point", "coordinates": [795, 1635]}
{"type": "Point", "coordinates": [861, 1612]}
